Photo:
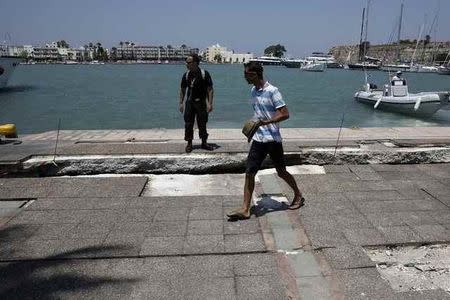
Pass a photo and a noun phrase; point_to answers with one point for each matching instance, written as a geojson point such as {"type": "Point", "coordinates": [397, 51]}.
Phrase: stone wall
{"type": "Point", "coordinates": [387, 53]}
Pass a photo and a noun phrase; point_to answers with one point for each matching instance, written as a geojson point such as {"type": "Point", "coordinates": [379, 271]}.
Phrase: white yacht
{"type": "Point", "coordinates": [320, 57]}
{"type": "Point", "coordinates": [314, 67]}
{"type": "Point", "coordinates": [7, 66]}
{"type": "Point", "coordinates": [269, 60]}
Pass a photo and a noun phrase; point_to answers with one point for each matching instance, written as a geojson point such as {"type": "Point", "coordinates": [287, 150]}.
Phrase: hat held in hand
{"type": "Point", "coordinates": [250, 128]}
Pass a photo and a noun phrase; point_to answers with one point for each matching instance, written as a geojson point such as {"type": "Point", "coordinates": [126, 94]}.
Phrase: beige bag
{"type": "Point", "coordinates": [250, 128]}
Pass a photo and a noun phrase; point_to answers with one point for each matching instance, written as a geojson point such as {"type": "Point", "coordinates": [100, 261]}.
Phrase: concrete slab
{"type": "Point", "coordinates": [347, 257]}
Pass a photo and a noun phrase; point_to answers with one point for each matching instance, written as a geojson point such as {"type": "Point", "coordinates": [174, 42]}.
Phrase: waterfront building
{"type": "Point", "coordinates": [219, 54]}
{"type": "Point", "coordinates": [22, 51]}
{"type": "Point", "coordinates": [130, 51]}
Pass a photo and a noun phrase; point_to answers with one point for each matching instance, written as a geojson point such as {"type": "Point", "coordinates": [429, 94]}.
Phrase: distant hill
{"type": "Point", "coordinates": [432, 52]}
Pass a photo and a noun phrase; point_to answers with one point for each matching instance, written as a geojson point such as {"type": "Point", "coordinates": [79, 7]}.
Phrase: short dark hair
{"type": "Point", "coordinates": [256, 67]}
{"type": "Point", "coordinates": [195, 57]}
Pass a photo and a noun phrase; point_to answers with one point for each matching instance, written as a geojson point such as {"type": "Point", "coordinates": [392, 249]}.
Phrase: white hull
{"type": "Point", "coordinates": [421, 104]}
{"type": "Point", "coordinates": [7, 66]}
{"type": "Point", "coordinates": [314, 67]}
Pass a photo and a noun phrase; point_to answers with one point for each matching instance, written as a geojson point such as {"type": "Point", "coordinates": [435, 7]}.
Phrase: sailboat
{"type": "Point", "coordinates": [397, 66]}
{"type": "Point", "coordinates": [365, 62]}
{"type": "Point", "coordinates": [445, 68]}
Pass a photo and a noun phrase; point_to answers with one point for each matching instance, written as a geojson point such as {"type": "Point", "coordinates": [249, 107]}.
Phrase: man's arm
{"type": "Point", "coordinates": [281, 114]}
{"type": "Point", "coordinates": [182, 93]}
{"type": "Point", "coordinates": [209, 103]}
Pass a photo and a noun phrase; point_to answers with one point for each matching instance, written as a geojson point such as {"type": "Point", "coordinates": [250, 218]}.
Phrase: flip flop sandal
{"type": "Point", "coordinates": [237, 215]}
{"type": "Point", "coordinates": [297, 205]}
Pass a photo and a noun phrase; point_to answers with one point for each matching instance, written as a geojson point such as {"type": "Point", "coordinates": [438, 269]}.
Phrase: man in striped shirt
{"type": "Point", "coordinates": [270, 109]}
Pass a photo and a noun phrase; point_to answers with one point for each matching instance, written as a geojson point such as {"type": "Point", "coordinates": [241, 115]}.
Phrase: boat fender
{"type": "Point", "coordinates": [377, 103]}
{"type": "Point", "coordinates": [417, 105]}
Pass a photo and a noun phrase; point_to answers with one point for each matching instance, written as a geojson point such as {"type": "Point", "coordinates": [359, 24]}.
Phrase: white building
{"type": "Point", "coordinates": [130, 51]}
{"type": "Point", "coordinates": [219, 54]}
{"type": "Point", "coordinates": [25, 50]}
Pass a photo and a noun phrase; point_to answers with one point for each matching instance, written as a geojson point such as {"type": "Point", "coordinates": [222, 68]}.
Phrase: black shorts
{"type": "Point", "coordinates": [258, 152]}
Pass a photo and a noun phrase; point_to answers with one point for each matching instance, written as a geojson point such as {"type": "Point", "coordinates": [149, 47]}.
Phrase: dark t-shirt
{"type": "Point", "coordinates": [197, 87]}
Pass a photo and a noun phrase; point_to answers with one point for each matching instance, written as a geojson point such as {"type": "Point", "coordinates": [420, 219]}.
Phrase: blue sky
{"type": "Point", "coordinates": [302, 26]}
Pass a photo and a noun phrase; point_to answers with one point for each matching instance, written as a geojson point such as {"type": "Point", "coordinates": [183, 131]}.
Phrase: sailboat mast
{"type": "Point", "coordinates": [367, 28]}
{"type": "Point", "coordinates": [399, 32]}
{"type": "Point", "coordinates": [360, 55]}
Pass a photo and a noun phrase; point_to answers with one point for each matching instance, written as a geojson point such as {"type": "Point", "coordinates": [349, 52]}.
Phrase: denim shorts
{"type": "Point", "coordinates": [258, 152]}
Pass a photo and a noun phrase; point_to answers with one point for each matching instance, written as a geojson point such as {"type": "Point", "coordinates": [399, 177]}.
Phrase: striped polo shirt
{"type": "Point", "coordinates": [265, 102]}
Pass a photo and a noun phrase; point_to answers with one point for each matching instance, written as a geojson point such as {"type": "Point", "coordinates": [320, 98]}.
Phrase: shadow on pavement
{"type": "Point", "coordinates": [266, 205]}
{"type": "Point", "coordinates": [60, 275]}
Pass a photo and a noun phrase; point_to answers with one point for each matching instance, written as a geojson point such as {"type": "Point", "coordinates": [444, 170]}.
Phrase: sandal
{"type": "Point", "coordinates": [237, 215]}
{"type": "Point", "coordinates": [297, 204]}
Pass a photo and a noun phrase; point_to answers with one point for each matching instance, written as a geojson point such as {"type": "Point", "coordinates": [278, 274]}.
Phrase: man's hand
{"type": "Point", "coordinates": [181, 108]}
{"type": "Point", "coordinates": [209, 107]}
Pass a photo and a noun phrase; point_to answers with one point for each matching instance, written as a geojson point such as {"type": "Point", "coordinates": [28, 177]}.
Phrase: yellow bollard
{"type": "Point", "coordinates": [8, 130]}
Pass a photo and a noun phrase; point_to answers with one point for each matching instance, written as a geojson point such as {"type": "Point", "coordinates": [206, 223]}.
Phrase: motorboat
{"type": "Point", "coordinates": [268, 60]}
{"type": "Point", "coordinates": [396, 97]}
{"type": "Point", "coordinates": [364, 66]}
{"type": "Point", "coordinates": [423, 69]}
{"type": "Point", "coordinates": [444, 70]}
{"type": "Point", "coordinates": [314, 67]}
{"type": "Point", "coordinates": [395, 67]}
{"type": "Point", "coordinates": [328, 59]}
{"type": "Point", "coordinates": [294, 63]}
{"type": "Point", "coordinates": [7, 66]}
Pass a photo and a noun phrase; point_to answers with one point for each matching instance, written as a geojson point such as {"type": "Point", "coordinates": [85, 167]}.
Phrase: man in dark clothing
{"type": "Point", "coordinates": [197, 88]}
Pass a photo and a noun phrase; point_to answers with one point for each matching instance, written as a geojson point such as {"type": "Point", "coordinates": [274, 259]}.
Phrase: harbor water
{"type": "Point", "coordinates": [146, 96]}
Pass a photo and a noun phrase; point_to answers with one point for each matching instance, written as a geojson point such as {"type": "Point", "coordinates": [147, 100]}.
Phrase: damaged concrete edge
{"type": "Point", "coordinates": [214, 163]}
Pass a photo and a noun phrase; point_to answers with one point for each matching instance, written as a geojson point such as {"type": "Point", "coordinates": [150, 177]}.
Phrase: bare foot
{"type": "Point", "coordinates": [298, 202]}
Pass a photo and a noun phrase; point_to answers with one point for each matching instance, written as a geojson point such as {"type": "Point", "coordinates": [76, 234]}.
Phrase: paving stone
{"type": "Point", "coordinates": [162, 246]}
{"type": "Point", "coordinates": [198, 244]}
{"type": "Point", "coordinates": [247, 227]}
{"type": "Point", "coordinates": [208, 266]}
{"type": "Point", "coordinates": [254, 264]}
{"type": "Point", "coordinates": [30, 217]}
{"type": "Point", "coordinates": [364, 284]}
{"type": "Point", "coordinates": [172, 214]}
{"type": "Point", "coordinates": [347, 257]}
{"type": "Point", "coordinates": [204, 227]}
{"type": "Point", "coordinates": [431, 233]}
{"type": "Point", "coordinates": [209, 288]}
{"type": "Point", "coordinates": [385, 218]}
{"type": "Point", "coordinates": [325, 236]}
{"type": "Point", "coordinates": [304, 264]}
{"type": "Point", "coordinates": [336, 169]}
{"type": "Point", "coordinates": [313, 288]}
{"type": "Point", "coordinates": [362, 168]}
{"type": "Point", "coordinates": [399, 234]}
{"type": "Point", "coordinates": [418, 218]}
{"type": "Point", "coordinates": [142, 214]}
{"type": "Point", "coordinates": [172, 228]}
{"type": "Point", "coordinates": [244, 243]}
{"type": "Point", "coordinates": [11, 204]}
{"type": "Point", "coordinates": [9, 212]}
{"type": "Point", "coordinates": [53, 232]}
{"type": "Point", "coordinates": [398, 206]}
{"type": "Point", "coordinates": [364, 236]}
{"type": "Point", "coordinates": [259, 287]}
{"type": "Point", "coordinates": [373, 196]}
{"type": "Point", "coordinates": [19, 232]}
{"type": "Point", "coordinates": [97, 231]}
{"type": "Point", "coordinates": [206, 213]}
{"type": "Point", "coordinates": [27, 249]}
